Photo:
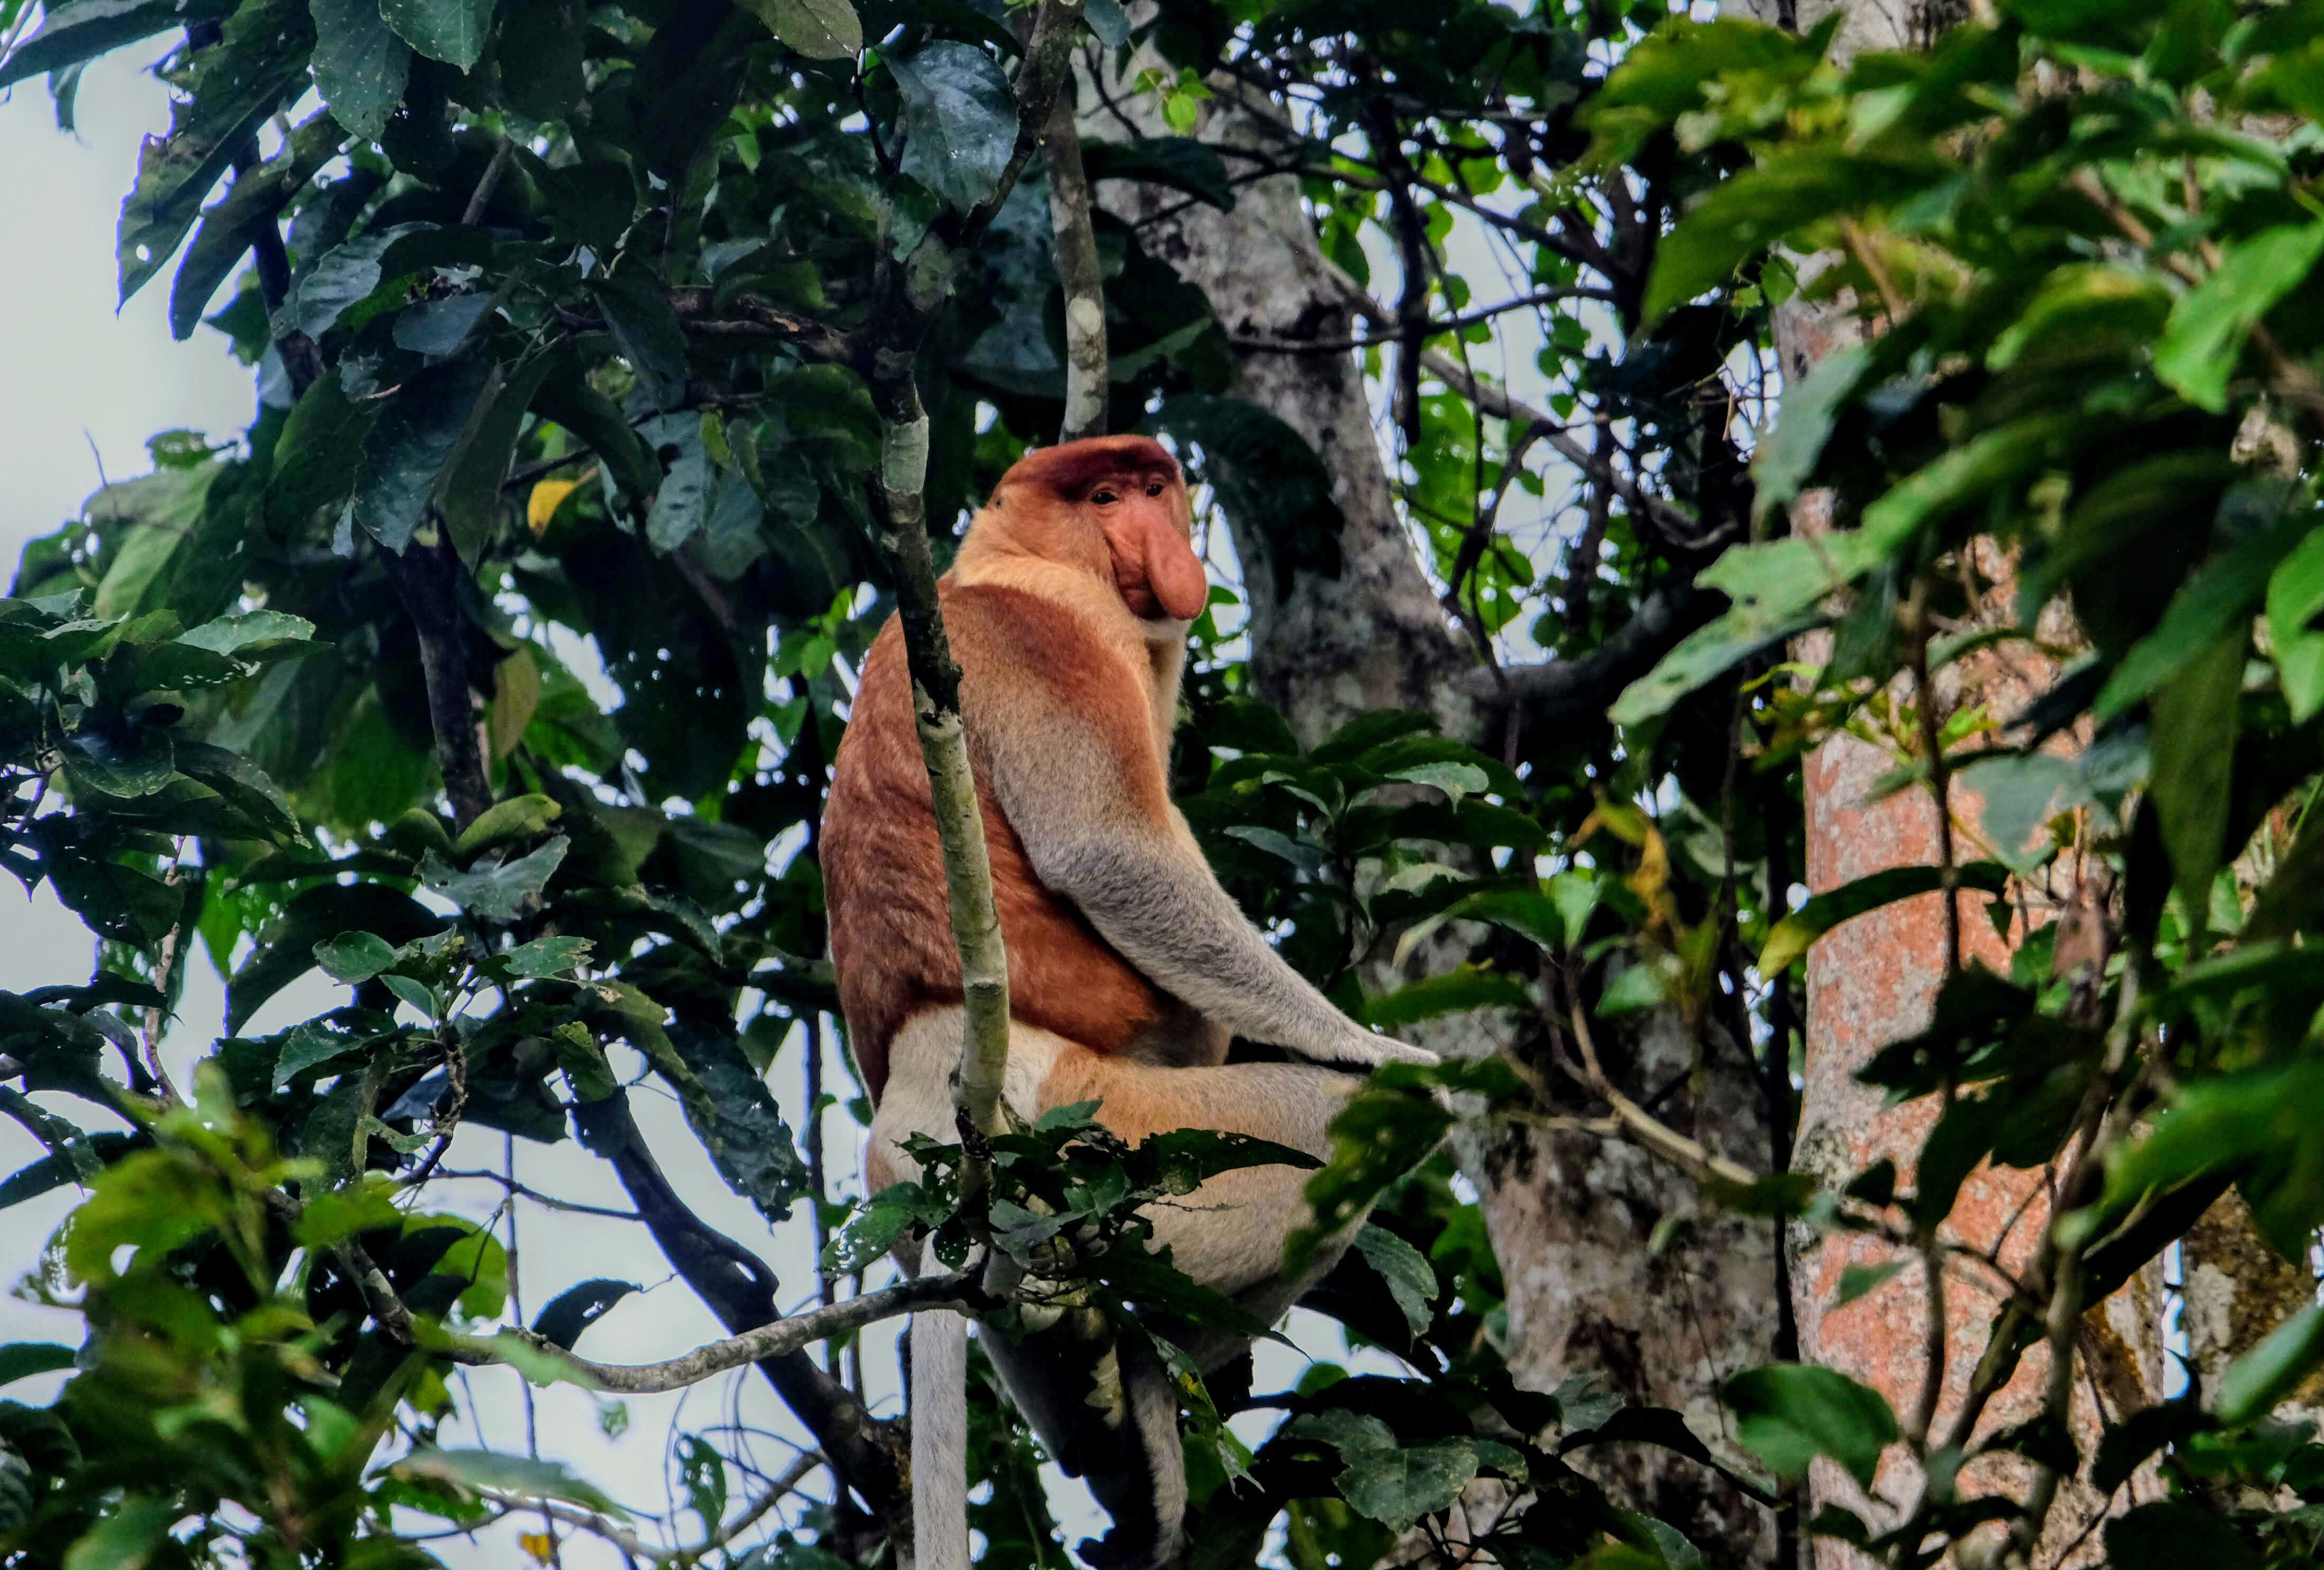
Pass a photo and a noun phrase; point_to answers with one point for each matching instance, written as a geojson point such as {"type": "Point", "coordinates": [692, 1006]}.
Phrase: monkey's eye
{"type": "Point", "coordinates": [1105, 496]}
{"type": "Point", "coordinates": [1153, 488]}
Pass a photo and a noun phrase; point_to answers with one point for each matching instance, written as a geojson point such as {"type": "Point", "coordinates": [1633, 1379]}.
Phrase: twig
{"type": "Point", "coordinates": [571, 1206]}
{"type": "Point", "coordinates": [1645, 1128]}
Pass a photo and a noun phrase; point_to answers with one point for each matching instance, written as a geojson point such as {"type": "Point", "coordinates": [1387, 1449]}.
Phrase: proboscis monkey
{"type": "Point", "coordinates": [1129, 968]}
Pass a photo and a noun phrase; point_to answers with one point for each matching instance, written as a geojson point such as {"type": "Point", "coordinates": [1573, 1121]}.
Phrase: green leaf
{"type": "Point", "coordinates": [1780, 465]}
{"type": "Point", "coordinates": [2256, 1382]}
{"type": "Point", "coordinates": [1793, 935]}
{"type": "Point", "coordinates": [408, 449]}
{"type": "Point", "coordinates": [359, 65]}
{"type": "Point", "coordinates": [488, 1472]}
{"type": "Point", "coordinates": [1641, 985]}
{"type": "Point", "coordinates": [340, 1214]}
{"type": "Point", "coordinates": [1398, 1487]}
{"type": "Point", "coordinates": [518, 818]}
{"type": "Point", "coordinates": [744, 1130]}
{"type": "Point", "coordinates": [1857, 1281]}
{"type": "Point", "coordinates": [542, 44]}
{"type": "Point", "coordinates": [1410, 1279]}
{"type": "Point", "coordinates": [340, 277]}
{"type": "Point", "coordinates": [547, 957]}
{"type": "Point", "coordinates": [354, 956]}
{"type": "Point", "coordinates": [2193, 743]}
{"type": "Point", "coordinates": [1749, 212]}
{"type": "Point", "coordinates": [21, 1359]}
{"type": "Point", "coordinates": [1457, 990]}
{"type": "Point", "coordinates": [1791, 1413]}
{"type": "Point", "coordinates": [416, 993]}
{"type": "Point", "coordinates": [1777, 586]}
{"type": "Point", "coordinates": [2204, 341]}
{"type": "Point", "coordinates": [1455, 780]}
{"type": "Point", "coordinates": [451, 30]}
{"type": "Point", "coordinates": [960, 118]}
{"type": "Point", "coordinates": [248, 634]}
{"type": "Point", "coordinates": [489, 888]}
{"type": "Point", "coordinates": [314, 1042]}
{"type": "Point", "coordinates": [817, 29]}
{"type": "Point", "coordinates": [2220, 1125]}
{"type": "Point", "coordinates": [123, 770]}
{"type": "Point", "coordinates": [2295, 597]}
{"type": "Point", "coordinates": [126, 1535]}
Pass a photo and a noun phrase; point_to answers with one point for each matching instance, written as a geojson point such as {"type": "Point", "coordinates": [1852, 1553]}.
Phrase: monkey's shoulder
{"type": "Point", "coordinates": [1004, 631]}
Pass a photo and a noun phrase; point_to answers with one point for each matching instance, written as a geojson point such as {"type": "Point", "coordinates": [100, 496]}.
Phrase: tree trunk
{"type": "Point", "coordinates": [1615, 1265]}
{"type": "Point", "coordinates": [1874, 980]}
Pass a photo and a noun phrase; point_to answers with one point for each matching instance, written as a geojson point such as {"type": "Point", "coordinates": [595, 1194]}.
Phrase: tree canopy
{"type": "Point", "coordinates": [688, 333]}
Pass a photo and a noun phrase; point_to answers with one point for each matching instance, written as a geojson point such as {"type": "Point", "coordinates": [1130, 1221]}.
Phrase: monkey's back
{"type": "Point", "coordinates": [891, 939]}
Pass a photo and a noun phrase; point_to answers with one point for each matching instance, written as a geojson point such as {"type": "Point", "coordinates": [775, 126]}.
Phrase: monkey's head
{"type": "Point", "coordinates": [1112, 505]}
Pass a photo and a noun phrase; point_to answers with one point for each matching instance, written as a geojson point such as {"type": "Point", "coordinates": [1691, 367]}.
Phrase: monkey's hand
{"type": "Point", "coordinates": [1358, 1049]}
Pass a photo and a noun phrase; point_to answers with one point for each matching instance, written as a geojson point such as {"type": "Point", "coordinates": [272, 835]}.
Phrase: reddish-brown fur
{"type": "Point", "coordinates": [890, 935]}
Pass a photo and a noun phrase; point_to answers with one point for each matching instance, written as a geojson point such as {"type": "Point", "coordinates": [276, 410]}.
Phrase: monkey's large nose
{"type": "Point", "coordinates": [1175, 573]}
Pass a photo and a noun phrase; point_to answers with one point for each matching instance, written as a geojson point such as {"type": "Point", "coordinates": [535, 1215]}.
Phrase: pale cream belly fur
{"type": "Point", "coordinates": [1229, 1234]}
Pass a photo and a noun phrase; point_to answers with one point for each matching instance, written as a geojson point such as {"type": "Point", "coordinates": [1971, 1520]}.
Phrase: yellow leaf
{"type": "Point", "coordinates": [547, 498]}
{"type": "Point", "coordinates": [540, 1545]}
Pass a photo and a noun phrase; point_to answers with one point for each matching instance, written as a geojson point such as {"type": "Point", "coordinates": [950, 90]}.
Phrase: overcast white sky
{"type": "Point", "coordinates": [81, 388]}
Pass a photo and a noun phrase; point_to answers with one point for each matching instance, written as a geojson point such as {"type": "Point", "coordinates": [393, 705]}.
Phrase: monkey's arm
{"type": "Point", "coordinates": [1085, 796]}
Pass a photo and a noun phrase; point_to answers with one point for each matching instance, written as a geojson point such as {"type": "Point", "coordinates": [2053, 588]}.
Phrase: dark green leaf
{"type": "Point", "coordinates": [817, 29]}
{"type": "Point", "coordinates": [238, 85]}
{"type": "Point", "coordinates": [1410, 1279]}
{"type": "Point", "coordinates": [354, 956]}
{"type": "Point", "coordinates": [406, 452]}
{"type": "Point", "coordinates": [2172, 1536]}
{"type": "Point", "coordinates": [359, 65]}
{"type": "Point", "coordinates": [451, 30]}
{"type": "Point", "coordinates": [2194, 750]}
{"type": "Point", "coordinates": [960, 119]}
{"type": "Point", "coordinates": [23, 1358]}
{"type": "Point", "coordinates": [71, 33]}
{"type": "Point", "coordinates": [575, 1309]}
{"type": "Point", "coordinates": [489, 888]}
{"type": "Point", "coordinates": [545, 957]}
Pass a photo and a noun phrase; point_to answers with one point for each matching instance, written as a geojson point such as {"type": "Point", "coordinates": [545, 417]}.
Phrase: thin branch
{"type": "Point", "coordinates": [1260, 344]}
{"type": "Point", "coordinates": [571, 1206]}
{"type": "Point", "coordinates": [745, 317]}
{"type": "Point", "coordinates": [482, 197]}
{"type": "Point", "coordinates": [426, 575]}
{"type": "Point", "coordinates": [1088, 382]}
{"type": "Point", "coordinates": [952, 1289]}
{"type": "Point", "coordinates": [1642, 1126]}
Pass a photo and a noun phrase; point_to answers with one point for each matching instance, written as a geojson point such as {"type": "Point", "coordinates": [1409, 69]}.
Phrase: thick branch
{"type": "Point", "coordinates": [943, 748]}
{"type": "Point", "coordinates": [1087, 374]}
{"type": "Point", "coordinates": [1559, 696]}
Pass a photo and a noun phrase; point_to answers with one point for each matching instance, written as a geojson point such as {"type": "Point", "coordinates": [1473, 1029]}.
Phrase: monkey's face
{"type": "Point", "coordinates": [1143, 517]}
{"type": "Point", "coordinates": [1117, 505]}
